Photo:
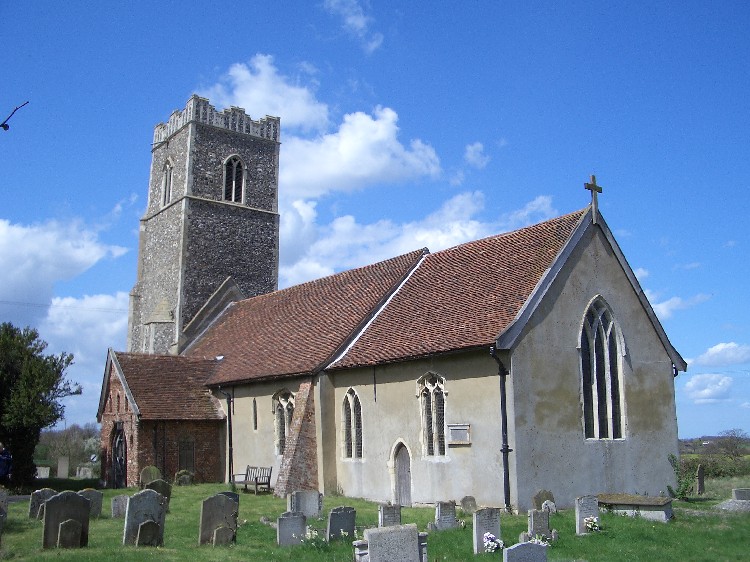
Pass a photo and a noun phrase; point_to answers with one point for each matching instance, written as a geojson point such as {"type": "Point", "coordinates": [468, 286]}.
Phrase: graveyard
{"type": "Point", "coordinates": [698, 531]}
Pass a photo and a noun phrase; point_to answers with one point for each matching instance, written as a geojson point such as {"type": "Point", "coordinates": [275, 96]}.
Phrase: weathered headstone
{"type": "Point", "coordinates": [150, 533]}
{"type": "Point", "coordinates": [223, 536]}
{"type": "Point", "coordinates": [84, 472]}
{"type": "Point", "coordinates": [149, 474]}
{"type": "Point", "coordinates": [486, 520]}
{"type": "Point", "coordinates": [389, 515]}
{"type": "Point", "coordinates": [309, 502]}
{"type": "Point", "coordinates": [540, 496]}
{"type": "Point", "coordinates": [586, 506]}
{"type": "Point", "coordinates": [3, 517]}
{"type": "Point", "coordinates": [290, 528]}
{"type": "Point", "coordinates": [3, 499]}
{"type": "Point", "coordinates": [37, 499]}
{"type": "Point", "coordinates": [217, 511]}
{"type": "Point", "coordinates": [69, 534]}
{"type": "Point", "coordinates": [63, 467]}
{"type": "Point", "coordinates": [234, 496]}
{"type": "Point", "coordinates": [96, 498]}
{"type": "Point", "coordinates": [469, 504]}
{"type": "Point", "coordinates": [42, 472]}
{"type": "Point", "coordinates": [445, 516]}
{"type": "Point", "coordinates": [58, 509]}
{"type": "Point", "coordinates": [741, 494]}
{"type": "Point", "coordinates": [700, 480]}
{"type": "Point", "coordinates": [144, 506]}
{"type": "Point", "coordinates": [161, 486]}
{"type": "Point", "coordinates": [538, 526]}
{"type": "Point", "coordinates": [341, 523]}
{"type": "Point", "coordinates": [525, 552]}
{"type": "Point", "coordinates": [549, 506]}
{"type": "Point", "coordinates": [184, 478]}
{"type": "Point", "coordinates": [401, 543]}
{"type": "Point", "coordinates": [119, 506]}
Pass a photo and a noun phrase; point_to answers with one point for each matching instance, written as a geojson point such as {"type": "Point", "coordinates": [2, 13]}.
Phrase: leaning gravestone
{"type": "Point", "coordinates": [538, 526]}
{"type": "Point", "coordinates": [742, 494]}
{"type": "Point", "coordinates": [144, 506]}
{"type": "Point", "coordinates": [389, 515]}
{"type": "Point", "coordinates": [525, 552]}
{"type": "Point", "coordinates": [540, 496]}
{"type": "Point", "coordinates": [486, 520]}
{"type": "Point", "coordinates": [340, 523]}
{"type": "Point", "coordinates": [150, 533]}
{"type": "Point", "coordinates": [149, 474]}
{"type": "Point", "coordinates": [469, 504]}
{"type": "Point", "coordinates": [59, 509]}
{"type": "Point", "coordinates": [216, 512]}
{"type": "Point", "coordinates": [586, 506]}
{"type": "Point", "coordinates": [223, 536]}
{"type": "Point", "coordinates": [119, 506]}
{"type": "Point", "coordinates": [96, 498]}
{"type": "Point", "coordinates": [390, 544]}
{"type": "Point", "coordinates": [445, 516]}
{"type": "Point", "coordinates": [69, 534]}
{"type": "Point", "coordinates": [309, 502]}
{"type": "Point", "coordinates": [290, 528]}
{"type": "Point", "coordinates": [161, 486]}
{"type": "Point", "coordinates": [37, 499]}
{"type": "Point", "coordinates": [700, 480]}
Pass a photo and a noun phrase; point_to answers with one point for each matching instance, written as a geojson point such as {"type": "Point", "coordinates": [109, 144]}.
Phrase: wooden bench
{"type": "Point", "coordinates": [258, 476]}
{"type": "Point", "coordinates": [654, 508]}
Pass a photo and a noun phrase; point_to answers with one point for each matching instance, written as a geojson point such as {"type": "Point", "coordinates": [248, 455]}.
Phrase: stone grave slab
{"type": "Point", "coordinates": [149, 474]}
{"type": "Point", "coordinates": [63, 467]}
{"type": "Point", "coordinates": [217, 511]}
{"type": "Point", "coordinates": [653, 508]}
{"type": "Point", "coordinates": [232, 495]}
{"type": "Point", "coordinates": [147, 505]}
{"type": "Point", "coordinates": [538, 525]}
{"type": "Point", "coordinates": [84, 472]}
{"type": "Point", "coordinates": [525, 552]}
{"type": "Point", "coordinates": [149, 534]}
{"type": "Point", "coordinates": [96, 498]}
{"type": "Point", "coordinates": [540, 496]}
{"type": "Point", "coordinates": [290, 528]}
{"type": "Point", "coordinates": [742, 494]}
{"type": "Point", "coordinates": [37, 499]}
{"type": "Point", "coordinates": [341, 522]}
{"type": "Point", "coordinates": [445, 516]}
{"type": "Point", "coordinates": [309, 502]}
{"type": "Point", "coordinates": [586, 506]}
{"type": "Point", "coordinates": [42, 472]}
{"type": "Point", "coordinates": [469, 504]}
{"type": "Point", "coordinates": [223, 536]}
{"type": "Point", "coordinates": [389, 515]}
{"type": "Point", "coordinates": [161, 486]}
{"type": "Point", "coordinates": [58, 509]}
{"type": "Point", "coordinates": [549, 506]}
{"type": "Point", "coordinates": [700, 480]}
{"type": "Point", "coordinates": [399, 543]}
{"type": "Point", "coordinates": [119, 506]}
{"type": "Point", "coordinates": [486, 520]}
{"type": "Point", "coordinates": [69, 534]}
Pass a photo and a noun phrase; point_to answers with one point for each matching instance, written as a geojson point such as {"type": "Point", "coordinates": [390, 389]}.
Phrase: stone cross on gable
{"type": "Point", "coordinates": [594, 189]}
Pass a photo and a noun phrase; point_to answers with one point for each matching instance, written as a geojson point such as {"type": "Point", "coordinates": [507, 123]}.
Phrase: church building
{"type": "Point", "coordinates": [531, 359]}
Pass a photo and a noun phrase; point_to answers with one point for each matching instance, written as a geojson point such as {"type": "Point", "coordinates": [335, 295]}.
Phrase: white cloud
{"type": "Point", "coordinates": [721, 354]}
{"type": "Point", "coordinates": [666, 308]}
{"type": "Point", "coordinates": [356, 22]}
{"type": "Point", "coordinates": [745, 405]}
{"type": "Point", "coordinates": [641, 273]}
{"type": "Point", "coordinates": [474, 155]}
{"type": "Point", "coordinates": [708, 388]}
{"type": "Point", "coordinates": [537, 210]}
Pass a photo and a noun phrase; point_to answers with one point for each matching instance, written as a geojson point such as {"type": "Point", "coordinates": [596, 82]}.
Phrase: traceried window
{"type": "Point", "coordinates": [166, 188]}
{"type": "Point", "coordinates": [283, 409]}
{"type": "Point", "coordinates": [351, 421]}
{"type": "Point", "coordinates": [431, 391]}
{"type": "Point", "coordinates": [601, 374]}
{"type": "Point", "coordinates": [234, 179]}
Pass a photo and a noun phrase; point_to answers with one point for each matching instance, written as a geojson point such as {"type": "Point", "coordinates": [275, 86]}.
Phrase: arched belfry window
{"type": "Point", "coordinates": [601, 346]}
{"type": "Point", "coordinates": [351, 421]}
{"type": "Point", "coordinates": [234, 179]}
{"type": "Point", "coordinates": [167, 179]}
{"type": "Point", "coordinates": [283, 410]}
{"type": "Point", "coordinates": [431, 392]}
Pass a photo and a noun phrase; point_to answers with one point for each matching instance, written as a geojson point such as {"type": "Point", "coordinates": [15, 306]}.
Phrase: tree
{"type": "Point", "coordinates": [732, 443]}
{"type": "Point", "coordinates": [32, 385]}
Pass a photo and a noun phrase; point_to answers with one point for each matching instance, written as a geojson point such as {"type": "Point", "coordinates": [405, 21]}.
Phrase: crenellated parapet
{"type": "Point", "coordinates": [233, 118]}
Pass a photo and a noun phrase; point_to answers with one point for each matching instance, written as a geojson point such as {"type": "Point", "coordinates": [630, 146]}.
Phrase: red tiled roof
{"type": "Point", "coordinates": [298, 329]}
{"type": "Point", "coordinates": [169, 387]}
{"type": "Point", "coordinates": [462, 297]}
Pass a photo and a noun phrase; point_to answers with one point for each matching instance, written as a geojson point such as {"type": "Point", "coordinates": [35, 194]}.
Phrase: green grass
{"type": "Point", "coordinates": [695, 534]}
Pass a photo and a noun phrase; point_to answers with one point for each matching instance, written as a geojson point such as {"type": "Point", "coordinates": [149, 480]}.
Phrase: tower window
{"type": "Point", "coordinates": [167, 184]}
{"type": "Point", "coordinates": [234, 179]}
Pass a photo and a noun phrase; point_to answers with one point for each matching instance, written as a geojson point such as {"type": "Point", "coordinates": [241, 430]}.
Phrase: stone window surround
{"type": "Point", "coordinates": [431, 392]}
{"type": "Point", "coordinates": [283, 411]}
{"type": "Point", "coordinates": [232, 161]}
{"type": "Point", "coordinates": [167, 182]}
{"type": "Point", "coordinates": [351, 427]}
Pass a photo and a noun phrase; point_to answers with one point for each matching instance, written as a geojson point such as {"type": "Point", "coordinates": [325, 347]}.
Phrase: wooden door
{"type": "Point", "coordinates": [403, 476]}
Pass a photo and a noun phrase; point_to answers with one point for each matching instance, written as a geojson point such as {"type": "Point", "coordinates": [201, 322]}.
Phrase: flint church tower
{"type": "Point", "coordinates": [210, 233]}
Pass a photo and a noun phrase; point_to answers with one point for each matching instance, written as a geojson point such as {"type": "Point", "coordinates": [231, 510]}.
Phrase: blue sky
{"type": "Point", "coordinates": [403, 126]}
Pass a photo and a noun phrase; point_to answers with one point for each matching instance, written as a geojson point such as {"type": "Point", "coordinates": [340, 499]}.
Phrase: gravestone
{"type": "Point", "coordinates": [42, 472]}
{"type": "Point", "coordinates": [184, 478]}
{"type": "Point", "coordinates": [3, 499]}
{"type": "Point", "coordinates": [37, 499]}
{"type": "Point", "coordinates": [540, 496]}
{"type": "Point", "coordinates": [340, 523]}
{"type": "Point", "coordinates": [469, 504]}
{"type": "Point", "coordinates": [223, 536]}
{"type": "Point", "coordinates": [3, 517]}
{"type": "Point", "coordinates": [58, 509]}
{"type": "Point", "coordinates": [742, 494]}
{"type": "Point", "coordinates": [84, 472]}
{"type": "Point", "coordinates": [119, 506]}
{"type": "Point", "coordinates": [217, 511]}
{"type": "Point", "coordinates": [401, 543]}
{"type": "Point", "coordinates": [538, 525]}
{"type": "Point", "coordinates": [96, 498]}
{"type": "Point", "coordinates": [69, 534]}
{"type": "Point", "coordinates": [290, 528]}
{"type": "Point", "coordinates": [549, 506]}
{"type": "Point", "coordinates": [486, 520]}
{"type": "Point", "coordinates": [149, 534]}
{"type": "Point", "coordinates": [144, 506]}
{"type": "Point", "coordinates": [445, 516]}
{"type": "Point", "coordinates": [389, 515]}
{"type": "Point", "coordinates": [586, 506]}
{"type": "Point", "coordinates": [700, 480]}
{"type": "Point", "coordinates": [234, 496]}
{"type": "Point", "coordinates": [525, 552]}
{"type": "Point", "coordinates": [149, 474]}
{"type": "Point", "coordinates": [309, 502]}
{"type": "Point", "coordinates": [63, 467]}
{"type": "Point", "coordinates": [161, 486]}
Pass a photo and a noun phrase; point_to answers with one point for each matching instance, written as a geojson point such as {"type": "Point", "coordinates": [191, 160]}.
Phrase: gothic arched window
{"type": "Point", "coordinates": [234, 179]}
{"type": "Point", "coordinates": [431, 391]}
{"type": "Point", "coordinates": [166, 188]}
{"type": "Point", "coordinates": [283, 410]}
{"type": "Point", "coordinates": [352, 425]}
{"type": "Point", "coordinates": [600, 373]}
